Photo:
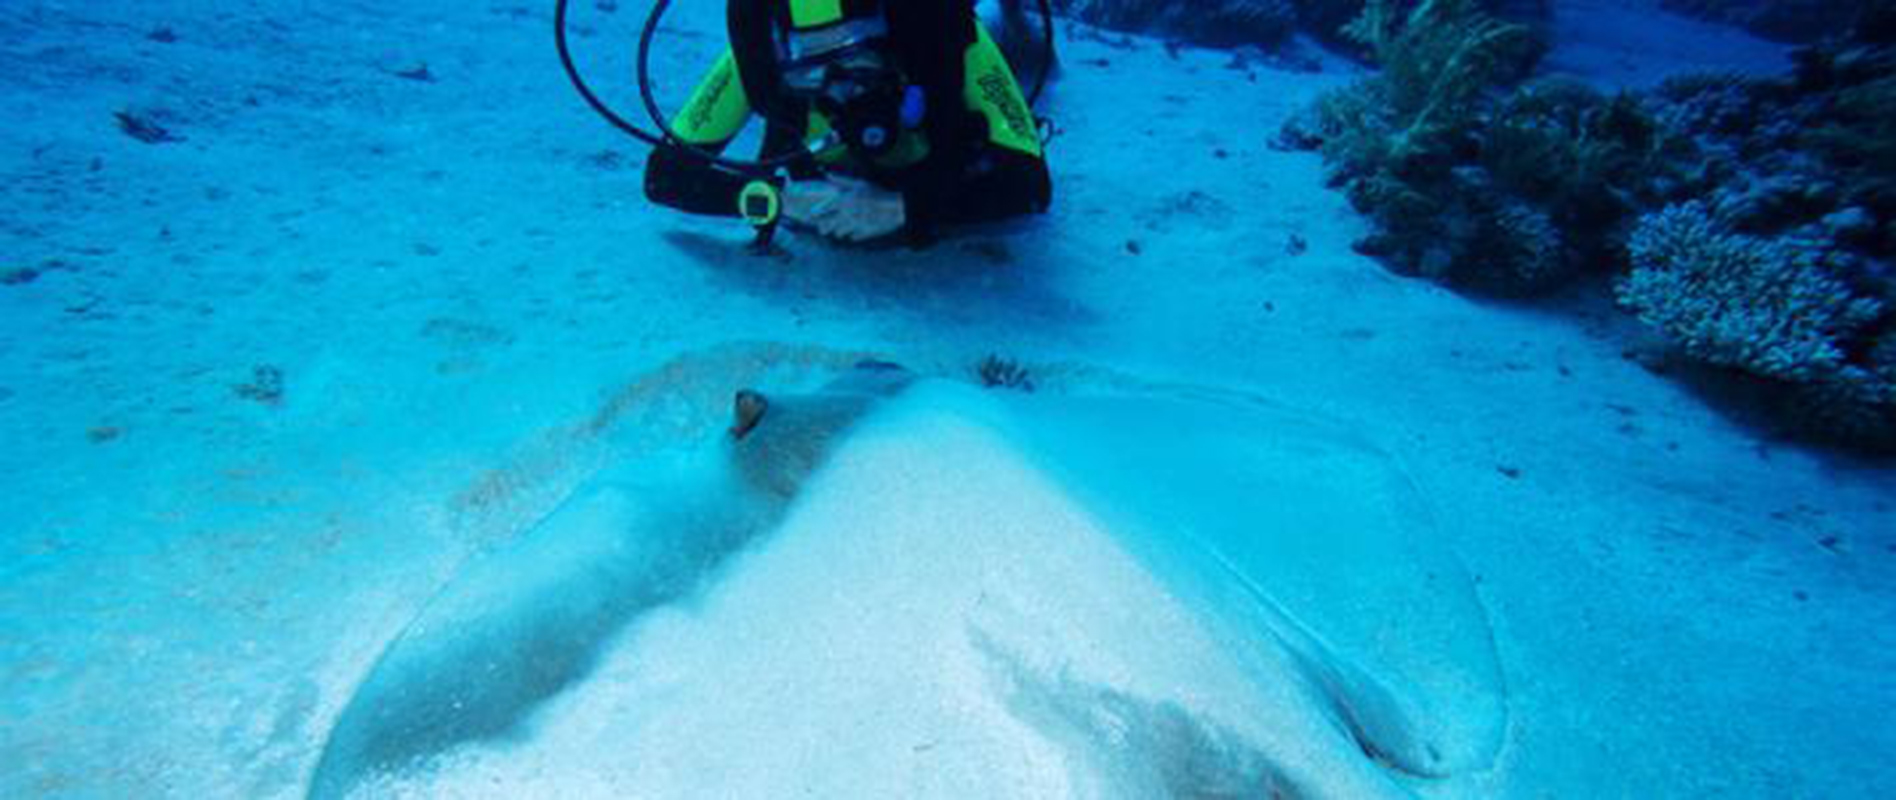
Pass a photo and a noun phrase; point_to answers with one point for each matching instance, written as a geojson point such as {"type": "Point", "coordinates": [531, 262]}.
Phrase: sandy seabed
{"type": "Point", "coordinates": [270, 387]}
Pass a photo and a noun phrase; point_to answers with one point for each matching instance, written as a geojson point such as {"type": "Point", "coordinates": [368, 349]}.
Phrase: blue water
{"type": "Point", "coordinates": [346, 359]}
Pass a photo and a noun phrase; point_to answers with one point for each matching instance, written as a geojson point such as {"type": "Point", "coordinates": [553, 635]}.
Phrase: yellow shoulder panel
{"type": "Point", "coordinates": [814, 13]}
{"type": "Point", "coordinates": [717, 109]}
{"type": "Point", "coordinates": [992, 90]}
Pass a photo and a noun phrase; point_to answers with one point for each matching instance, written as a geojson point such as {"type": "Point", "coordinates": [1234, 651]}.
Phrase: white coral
{"type": "Point", "coordinates": [1768, 306]}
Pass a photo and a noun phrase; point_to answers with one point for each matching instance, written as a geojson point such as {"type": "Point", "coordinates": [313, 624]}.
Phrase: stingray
{"type": "Point", "coordinates": [1295, 553]}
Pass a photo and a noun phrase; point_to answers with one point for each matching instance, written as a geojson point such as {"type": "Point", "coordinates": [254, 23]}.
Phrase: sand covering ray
{"type": "Point", "coordinates": [1109, 589]}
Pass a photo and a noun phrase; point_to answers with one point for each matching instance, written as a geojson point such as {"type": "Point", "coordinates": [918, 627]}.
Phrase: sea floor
{"type": "Point", "coordinates": [269, 387]}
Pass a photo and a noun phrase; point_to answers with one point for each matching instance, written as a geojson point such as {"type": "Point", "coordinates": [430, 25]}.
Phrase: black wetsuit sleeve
{"type": "Point", "coordinates": [691, 184]}
{"type": "Point", "coordinates": [965, 178]}
{"type": "Point", "coordinates": [996, 185]}
{"type": "Point", "coordinates": [683, 181]}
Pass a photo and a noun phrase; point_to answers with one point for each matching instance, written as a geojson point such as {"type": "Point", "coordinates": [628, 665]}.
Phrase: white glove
{"type": "Point", "coordinates": [844, 208]}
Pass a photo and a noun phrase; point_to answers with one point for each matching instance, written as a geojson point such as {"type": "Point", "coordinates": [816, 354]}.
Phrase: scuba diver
{"type": "Point", "coordinates": [886, 116]}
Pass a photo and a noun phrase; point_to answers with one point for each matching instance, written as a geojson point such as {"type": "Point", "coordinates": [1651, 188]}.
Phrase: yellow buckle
{"type": "Point", "coordinates": [760, 203]}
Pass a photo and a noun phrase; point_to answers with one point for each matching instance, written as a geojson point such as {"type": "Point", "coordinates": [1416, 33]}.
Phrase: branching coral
{"type": "Point", "coordinates": [1781, 267]}
{"type": "Point", "coordinates": [1589, 158]}
{"type": "Point", "coordinates": [1437, 62]}
{"type": "Point", "coordinates": [1508, 195]}
{"type": "Point", "coordinates": [1326, 19]}
{"type": "Point", "coordinates": [1770, 307]}
{"type": "Point", "coordinates": [1774, 255]}
{"type": "Point", "coordinates": [1859, 138]}
{"type": "Point", "coordinates": [1528, 247]}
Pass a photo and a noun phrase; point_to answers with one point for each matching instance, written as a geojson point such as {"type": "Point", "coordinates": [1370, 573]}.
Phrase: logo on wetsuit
{"type": "Point", "coordinates": [997, 90]}
{"type": "Point", "coordinates": [700, 112]}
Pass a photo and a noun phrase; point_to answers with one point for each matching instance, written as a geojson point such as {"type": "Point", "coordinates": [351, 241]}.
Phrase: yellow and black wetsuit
{"type": "Point", "coordinates": [975, 160]}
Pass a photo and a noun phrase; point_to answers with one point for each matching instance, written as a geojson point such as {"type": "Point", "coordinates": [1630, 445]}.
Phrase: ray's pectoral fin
{"type": "Point", "coordinates": [513, 630]}
{"type": "Point", "coordinates": [522, 624]}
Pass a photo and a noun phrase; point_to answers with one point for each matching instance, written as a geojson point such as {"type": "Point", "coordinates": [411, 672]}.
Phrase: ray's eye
{"type": "Point", "coordinates": [747, 409]}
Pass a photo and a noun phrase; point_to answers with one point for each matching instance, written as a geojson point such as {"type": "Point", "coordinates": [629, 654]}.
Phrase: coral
{"type": "Point", "coordinates": [1467, 233]}
{"type": "Point", "coordinates": [997, 372]}
{"type": "Point", "coordinates": [1757, 216]}
{"type": "Point", "coordinates": [1845, 90]}
{"type": "Point", "coordinates": [1782, 156]}
{"type": "Point", "coordinates": [1508, 196]}
{"type": "Point", "coordinates": [1437, 62]}
{"type": "Point", "coordinates": [1779, 266]}
{"type": "Point", "coordinates": [1527, 248]}
{"type": "Point", "coordinates": [1770, 307]}
{"type": "Point", "coordinates": [1589, 159]}
{"type": "Point", "coordinates": [1387, 137]}
{"type": "Point", "coordinates": [1747, 162]}
{"type": "Point", "coordinates": [1327, 19]}
{"type": "Point", "coordinates": [1711, 103]}
{"type": "Point", "coordinates": [1858, 138]}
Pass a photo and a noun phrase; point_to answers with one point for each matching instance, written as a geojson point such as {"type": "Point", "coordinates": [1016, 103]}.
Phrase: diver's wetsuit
{"type": "Point", "coordinates": [975, 160]}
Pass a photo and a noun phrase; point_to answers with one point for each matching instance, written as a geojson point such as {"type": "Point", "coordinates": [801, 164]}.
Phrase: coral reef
{"type": "Point", "coordinates": [1437, 61]}
{"type": "Point", "coordinates": [1507, 193]}
{"type": "Point", "coordinates": [1444, 162]}
{"type": "Point", "coordinates": [1781, 266]}
{"type": "Point", "coordinates": [1851, 128]}
{"type": "Point", "coordinates": [1328, 20]}
{"type": "Point", "coordinates": [1773, 307]}
{"type": "Point", "coordinates": [1757, 216]}
{"type": "Point", "coordinates": [1567, 147]}
{"type": "Point", "coordinates": [1781, 309]}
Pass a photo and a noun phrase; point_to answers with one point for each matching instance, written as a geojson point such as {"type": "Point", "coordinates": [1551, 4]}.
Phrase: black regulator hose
{"type": "Point", "coordinates": [666, 137]}
{"type": "Point", "coordinates": [1047, 55]}
{"type": "Point", "coordinates": [579, 84]}
{"type": "Point", "coordinates": [758, 168]}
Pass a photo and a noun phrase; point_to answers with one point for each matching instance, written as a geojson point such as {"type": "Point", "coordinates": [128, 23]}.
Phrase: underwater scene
{"type": "Point", "coordinates": [948, 399]}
